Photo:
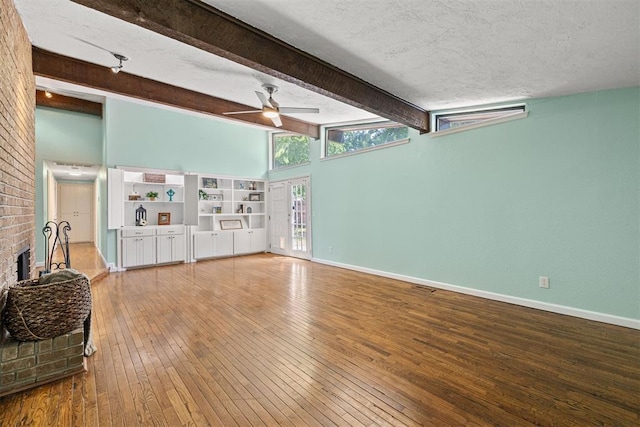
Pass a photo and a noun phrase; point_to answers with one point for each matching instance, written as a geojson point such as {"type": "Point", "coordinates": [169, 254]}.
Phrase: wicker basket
{"type": "Point", "coordinates": [37, 311]}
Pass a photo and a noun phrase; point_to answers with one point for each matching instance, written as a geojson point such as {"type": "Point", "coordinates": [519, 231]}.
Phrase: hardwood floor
{"type": "Point", "coordinates": [84, 258]}
{"type": "Point", "coordinates": [268, 340]}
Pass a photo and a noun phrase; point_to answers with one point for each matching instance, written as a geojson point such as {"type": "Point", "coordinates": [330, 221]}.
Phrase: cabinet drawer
{"type": "Point", "coordinates": [166, 230]}
{"type": "Point", "coordinates": [138, 232]}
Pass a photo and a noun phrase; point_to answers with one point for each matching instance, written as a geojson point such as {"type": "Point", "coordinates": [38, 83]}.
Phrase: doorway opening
{"type": "Point", "coordinates": [290, 219]}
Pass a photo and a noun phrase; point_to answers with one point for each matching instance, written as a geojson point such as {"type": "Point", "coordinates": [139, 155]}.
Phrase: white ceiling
{"type": "Point", "coordinates": [433, 53]}
{"type": "Point", "coordinates": [73, 171]}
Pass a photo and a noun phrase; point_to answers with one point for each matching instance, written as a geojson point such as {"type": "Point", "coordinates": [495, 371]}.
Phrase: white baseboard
{"type": "Point", "coordinates": [114, 268]}
{"type": "Point", "coordinates": [554, 308]}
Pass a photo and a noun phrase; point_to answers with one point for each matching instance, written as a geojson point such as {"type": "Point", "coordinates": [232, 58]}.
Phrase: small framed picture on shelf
{"type": "Point", "coordinates": [209, 182]}
{"type": "Point", "coordinates": [254, 197]}
{"type": "Point", "coordinates": [230, 224]}
{"type": "Point", "coordinates": [217, 209]}
{"type": "Point", "coordinates": [164, 218]}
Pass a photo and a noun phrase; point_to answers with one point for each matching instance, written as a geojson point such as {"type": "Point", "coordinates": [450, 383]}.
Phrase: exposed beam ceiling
{"type": "Point", "coordinates": [211, 30]}
{"type": "Point", "coordinates": [68, 103]}
{"type": "Point", "coordinates": [59, 67]}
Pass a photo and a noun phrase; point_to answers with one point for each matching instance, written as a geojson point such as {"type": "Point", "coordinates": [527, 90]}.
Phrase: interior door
{"type": "Point", "coordinates": [75, 202]}
{"type": "Point", "coordinates": [290, 223]}
{"type": "Point", "coordinates": [279, 217]}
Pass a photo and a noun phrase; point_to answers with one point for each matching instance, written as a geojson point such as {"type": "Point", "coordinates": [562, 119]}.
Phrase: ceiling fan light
{"type": "Point", "coordinates": [270, 113]}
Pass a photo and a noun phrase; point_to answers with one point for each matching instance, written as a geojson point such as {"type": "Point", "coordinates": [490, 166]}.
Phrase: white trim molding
{"type": "Point", "coordinates": [539, 305]}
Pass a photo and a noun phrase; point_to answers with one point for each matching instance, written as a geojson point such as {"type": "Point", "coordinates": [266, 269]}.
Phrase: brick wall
{"type": "Point", "coordinates": [17, 144]}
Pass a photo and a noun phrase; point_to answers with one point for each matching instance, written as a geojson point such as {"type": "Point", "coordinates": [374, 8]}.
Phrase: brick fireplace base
{"type": "Point", "coordinates": [27, 364]}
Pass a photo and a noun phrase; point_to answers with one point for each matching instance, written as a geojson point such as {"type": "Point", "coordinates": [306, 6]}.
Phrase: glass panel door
{"type": "Point", "coordinates": [299, 218]}
{"type": "Point", "coordinates": [289, 216]}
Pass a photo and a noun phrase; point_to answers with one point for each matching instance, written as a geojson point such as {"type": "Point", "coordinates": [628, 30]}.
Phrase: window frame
{"type": "Point", "coordinates": [360, 125]}
{"type": "Point", "coordinates": [272, 159]}
{"type": "Point", "coordinates": [501, 114]}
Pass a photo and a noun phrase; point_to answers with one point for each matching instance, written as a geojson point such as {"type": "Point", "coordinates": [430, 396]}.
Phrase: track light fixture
{"type": "Point", "coordinates": [47, 94]}
{"type": "Point", "coordinates": [116, 69]}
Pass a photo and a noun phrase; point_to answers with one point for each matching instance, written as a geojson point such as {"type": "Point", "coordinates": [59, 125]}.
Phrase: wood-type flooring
{"type": "Point", "coordinates": [269, 340]}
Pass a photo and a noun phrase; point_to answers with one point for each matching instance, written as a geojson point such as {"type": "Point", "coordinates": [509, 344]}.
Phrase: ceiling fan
{"type": "Point", "coordinates": [271, 109]}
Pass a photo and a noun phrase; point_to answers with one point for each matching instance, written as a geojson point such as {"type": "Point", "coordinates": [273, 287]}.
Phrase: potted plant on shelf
{"type": "Point", "coordinates": [152, 195]}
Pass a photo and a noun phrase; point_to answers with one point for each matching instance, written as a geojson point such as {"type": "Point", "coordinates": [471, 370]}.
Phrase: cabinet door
{"type": "Point", "coordinates": [164, 244]}
{"type": "Point", "coordinates": [224, 244]}
{"type": "Point", "coordinates": [147, 251]}
{"type": "Point", "coordinates": [74, 205]}
{"type": "Point", "coordinates": [248, 241]}
{"type": "Point", "coordinates": [213, 244]}
{"type": "Point", "coordinates": [178, 248]}
{"type": "Point", "coordinates": [258, 240]}
{"type": "Point", "coordinates": [241, 242]}
{"type": "Point", "coordinates": [138, 251]}
{"type": "Point", "coordinates": [130, 252]}
{"type": "Point", "coordinates": [203, 245]}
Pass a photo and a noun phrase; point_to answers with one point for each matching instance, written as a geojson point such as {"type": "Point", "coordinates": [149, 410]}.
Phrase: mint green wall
{"type": "Point", "coordinates": [556, 194]}
{"type": "Point", "coordinates": [62, 136]}
{"type": "Point", "coordinates": [144, 136]}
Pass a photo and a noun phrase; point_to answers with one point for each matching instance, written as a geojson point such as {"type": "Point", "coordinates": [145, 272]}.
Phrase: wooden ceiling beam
{"type": "Point", "coordinates": [68, 103]}
{"type": "Point", "coordinates": [207, 28]}
{"type": "Point", "coordinates": [64, 68]}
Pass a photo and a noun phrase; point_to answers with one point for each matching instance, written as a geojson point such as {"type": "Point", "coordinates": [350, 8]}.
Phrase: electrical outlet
{"type": "Point", "coordinates": [544, 282]}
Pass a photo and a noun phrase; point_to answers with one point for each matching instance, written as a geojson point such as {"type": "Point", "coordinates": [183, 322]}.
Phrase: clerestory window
{"type": "Point", "coordinates": [288, 149]}
{"type": "Point", "coordinates": [340, 140]}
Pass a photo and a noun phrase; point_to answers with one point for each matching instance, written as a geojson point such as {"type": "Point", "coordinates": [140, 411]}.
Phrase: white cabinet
{"type": "Point", "coordinates": [230, 215]}
{"type": "Point", "coordinates": [170, 241]}
{"type": "Point", "coordinates": [149, 245]}
{"type": "Point", "coordinates": [138, 247]}
{"type": "Point", "coordinates": [212, 244]}
{"type": "Point", "coordinates": [249, 241]}
{"type": "Point", "coordinates": [75, 205]}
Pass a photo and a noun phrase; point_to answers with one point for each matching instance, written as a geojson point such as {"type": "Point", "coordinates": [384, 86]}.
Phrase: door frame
{"type": "Point", "coordinates": [288, 183]}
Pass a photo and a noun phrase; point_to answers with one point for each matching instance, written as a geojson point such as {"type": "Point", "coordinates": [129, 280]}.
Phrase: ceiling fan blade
{"type": "Point", "coordinates": [273, 102]}
{"type": "Point", "coordinates": [263, 99]}
{"type": "Point", "coordinates": [242, 112]}
{"type": "Point", "coordinates": [294, 110]}
{"type": "Point", "coordinates": [276, 121]}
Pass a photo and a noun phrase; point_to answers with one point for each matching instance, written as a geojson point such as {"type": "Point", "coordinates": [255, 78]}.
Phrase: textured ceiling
{"type": "Point", "coordinates": [434, 54]}
{"type": "Point", "coordinates": [439, 54]}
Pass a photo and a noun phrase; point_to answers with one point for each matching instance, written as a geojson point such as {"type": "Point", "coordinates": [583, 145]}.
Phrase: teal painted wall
{"type": "Point", "coordinates": [144, 136]}
{"type": "Point", "coordinates": [556, 194]}
{"type": "Point", "coordinates": [65, 137]}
